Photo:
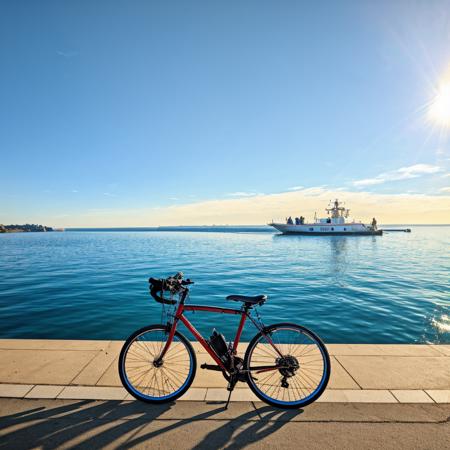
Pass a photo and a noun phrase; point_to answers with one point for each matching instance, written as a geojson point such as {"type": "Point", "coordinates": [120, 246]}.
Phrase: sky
{"type": "Point", "coordinates": [142, 113]}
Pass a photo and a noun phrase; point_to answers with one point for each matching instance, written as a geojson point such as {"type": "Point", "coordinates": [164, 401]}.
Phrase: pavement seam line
{"type": "Point", "coordinates": [348, 373]}
{"type": "Point", "coordinates": [426, 393]}
{"type": "Point", "coordinates": [105, 350]}
{"type": "Point", "coordinates": [368, 421]}
{"type": "Point", "coordinates": [396, 398]}
{"type": "Point", "coordinates": [26, 393]}
{"type": "Point", "coordinates": [84, 367]}
{"type": "Point", "coordinates": [114, 361]}
{"type": "Point", "coordinates": [137, 431]}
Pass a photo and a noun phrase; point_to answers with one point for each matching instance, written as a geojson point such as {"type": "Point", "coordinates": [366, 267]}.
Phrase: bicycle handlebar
{"type": "Point", "coordinates": [174, 285]}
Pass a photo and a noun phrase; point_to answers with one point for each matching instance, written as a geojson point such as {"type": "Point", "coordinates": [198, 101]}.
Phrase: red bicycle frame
{"type": "Point", "coordinates": [243, 312]}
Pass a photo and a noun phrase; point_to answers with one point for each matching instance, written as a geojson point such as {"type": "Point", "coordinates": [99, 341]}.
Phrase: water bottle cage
{"type": "Point", "coordinates": [220, 347]}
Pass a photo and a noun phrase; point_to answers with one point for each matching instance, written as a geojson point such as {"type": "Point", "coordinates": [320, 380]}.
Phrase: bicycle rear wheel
{"type": "Point", "coordinates": [295, 375]}
{"type": "Point", "coordinates": [150, 380]}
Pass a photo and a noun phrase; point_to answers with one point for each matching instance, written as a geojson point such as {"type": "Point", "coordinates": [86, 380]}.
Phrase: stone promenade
{"type": "Point", "coordinates": [50, 369]}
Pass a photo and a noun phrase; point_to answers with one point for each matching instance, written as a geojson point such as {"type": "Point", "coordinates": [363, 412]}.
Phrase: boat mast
{"type": "Point", "coordinates": [337, 211]}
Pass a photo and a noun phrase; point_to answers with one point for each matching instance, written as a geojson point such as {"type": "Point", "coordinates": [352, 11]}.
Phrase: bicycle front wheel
{"type": "Point", "coordinates": [152, 380]}
{"type": "Point", "coordinates": [287, 365]}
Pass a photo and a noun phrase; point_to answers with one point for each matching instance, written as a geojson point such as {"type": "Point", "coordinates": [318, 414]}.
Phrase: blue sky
{"type": "Point", "coordinates": [121, 112]}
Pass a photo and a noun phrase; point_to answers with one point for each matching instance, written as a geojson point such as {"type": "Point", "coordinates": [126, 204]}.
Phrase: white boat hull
{"type": "Point", "coordinates": [327, 229]}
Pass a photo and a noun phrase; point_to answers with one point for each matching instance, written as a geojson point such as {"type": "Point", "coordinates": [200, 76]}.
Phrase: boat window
{"type": "Point", "coordinates": [345, 229]}
{"type": "Point", "coordinates": [311, 229]}
{"type": "Point", "coordinates": [332, 229]}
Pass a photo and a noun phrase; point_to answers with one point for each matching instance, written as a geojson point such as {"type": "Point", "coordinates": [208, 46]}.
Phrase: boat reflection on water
{"type": "Point", "coordinates": [339, 260]}
{"type": "Point", "coordinates": [340, 253]}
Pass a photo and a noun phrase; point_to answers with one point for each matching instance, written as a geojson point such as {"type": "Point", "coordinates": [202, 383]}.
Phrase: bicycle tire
{"type": "Point", "coordinates": [147, 398]}
{"type": "Point", "coordinates": [300, 402]}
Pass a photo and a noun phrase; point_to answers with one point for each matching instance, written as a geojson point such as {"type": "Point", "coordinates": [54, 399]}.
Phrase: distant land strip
{"type": "Point", "coordinates": [27, 228]}
{"type": "Point", "coordinates": [221, 228]}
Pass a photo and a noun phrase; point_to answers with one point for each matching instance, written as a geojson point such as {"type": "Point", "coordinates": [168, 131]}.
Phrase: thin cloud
{"type": "Point", "coordinates": [445, 189]}
{"type": "Point", "coordinates": [387, 208]}
{"type": "Point", "coordinates": [369, 181]}
{"type": "Point", "coordinates": [404, 173]}
{"type": "Point", "coordinates": [243, 194]}
{"type": "Point", "coordinates": [295, 188]}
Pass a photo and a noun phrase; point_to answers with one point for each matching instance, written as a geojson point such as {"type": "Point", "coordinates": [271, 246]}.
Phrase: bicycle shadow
{"type": "Point", "coordinates": [269, 421]}
{"type": "Point", "coordinates": [100, 424]}
{"type": "Point", "coordinates": [256, 425]}
{"type": "Point", "coordinates": [54, 427]}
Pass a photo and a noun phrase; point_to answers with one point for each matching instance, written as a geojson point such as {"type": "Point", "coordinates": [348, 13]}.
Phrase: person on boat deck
{"type": "Point", "coordinates": [289, 221]}
{"type": "Point", "coordinates": [328, 220]}
{"type": "Point", "coordinates": [374, 223]}
{"type": "Point", "coordinates": [297, 221]}
{"type": "Point", "coordinates": [301, 220]}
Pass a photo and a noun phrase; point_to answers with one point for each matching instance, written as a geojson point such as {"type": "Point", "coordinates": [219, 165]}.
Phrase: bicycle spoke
{"type": "Point", "coordinates": [150, 376]}
{"type": "Point", "coordinates": [297, 374]}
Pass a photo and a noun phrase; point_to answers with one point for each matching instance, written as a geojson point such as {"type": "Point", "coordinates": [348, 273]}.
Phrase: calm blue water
{"type": "Point", "coordinates": [93, 285]}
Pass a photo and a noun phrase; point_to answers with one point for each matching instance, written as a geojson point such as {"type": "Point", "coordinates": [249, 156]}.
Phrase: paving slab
{"type": "Point", "coordinates": [193, 394]}
{"type": "Point", "coordinates": [93, 393]}
{"type": "Point", "coordinates": [238, 395]}
{"type": "Point", "coordinates": [52, 344]}
{"type": "Point", "coordinates": [360, 412]}
{"type": "Point", "coordinates": [44, 391]}
{"type": "Point", "coordinates": [357, 396]}
{"type": "Point", "coordinates": [43, 367]}
{"type": "Point", "coordinates": [444, 349]}
{"type": "Point", "coordinates": [209, 379]}
{"type": "Point", "coordinates": [93, 372]}
{"type": "Point", "coordinates": [388, 372]}
{"type": "Point", "coordinates": [352, 349]}
{"type": "Point", "coordinates": [340, 378]}
{"type": "Point", "coordinates": [412, 396]}
{"type": "Point", "coordinates": [439, 396]}
{"type": "Point", "coordinates": [14, 390]}
{"type": "Point", "coordinates": [110, 376]}
{"type": "Point", "coordinates": [408, 350]}
{"type": "Point", "coordinates": [383, 350]}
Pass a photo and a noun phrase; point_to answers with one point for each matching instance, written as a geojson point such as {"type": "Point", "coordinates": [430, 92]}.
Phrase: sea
{"type": "Point", "coordinates": [93, 283]}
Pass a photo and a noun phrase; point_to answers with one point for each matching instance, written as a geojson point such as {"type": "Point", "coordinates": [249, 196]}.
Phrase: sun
{"type": "Point", "coordinates": [439, 111]}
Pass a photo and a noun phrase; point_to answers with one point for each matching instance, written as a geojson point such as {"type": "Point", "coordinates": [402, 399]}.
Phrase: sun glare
{"type": "Point", "coordinates": [440, 106]}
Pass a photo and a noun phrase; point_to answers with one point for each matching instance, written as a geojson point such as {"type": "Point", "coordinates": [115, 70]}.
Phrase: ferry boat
{"type": "Point", "coordinates": [337, 223]}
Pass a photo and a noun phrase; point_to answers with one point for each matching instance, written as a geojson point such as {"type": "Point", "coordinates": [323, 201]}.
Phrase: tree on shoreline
{"type": "Point", "coordinates": [27, 228]}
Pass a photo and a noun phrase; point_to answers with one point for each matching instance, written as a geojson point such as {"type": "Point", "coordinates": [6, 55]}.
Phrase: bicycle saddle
{"type": "Point", "coordinates": [257, 299]}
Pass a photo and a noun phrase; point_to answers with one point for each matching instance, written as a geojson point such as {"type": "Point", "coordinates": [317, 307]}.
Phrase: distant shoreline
{"type": "Point", "coordinates": [27, 228]}
{"type": "Point", "coordinates": [221, 228]}
{"type": "Point", "coordinates": [184, 228]}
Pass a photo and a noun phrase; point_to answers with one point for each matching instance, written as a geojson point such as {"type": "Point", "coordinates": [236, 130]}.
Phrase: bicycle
{"type": "Point", "coordinates": [285, 364]}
